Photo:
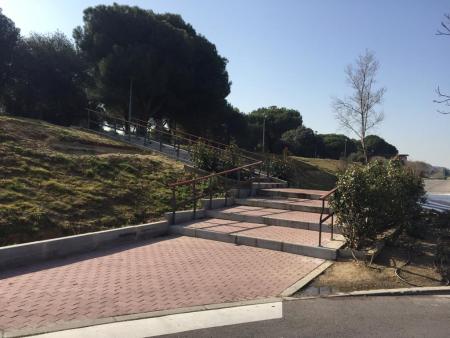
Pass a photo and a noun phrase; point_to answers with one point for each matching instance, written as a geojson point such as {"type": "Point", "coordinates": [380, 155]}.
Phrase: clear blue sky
{"type": "Point", "coordinates": [293, 54]}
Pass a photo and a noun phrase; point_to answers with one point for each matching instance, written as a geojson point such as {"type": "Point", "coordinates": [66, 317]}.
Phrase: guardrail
{"type": "Point", "coordinates": [323, 219]}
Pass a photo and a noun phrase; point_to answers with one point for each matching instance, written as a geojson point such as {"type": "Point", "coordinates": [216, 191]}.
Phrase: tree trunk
{"type": "Point", "coordinates": [363, 144]}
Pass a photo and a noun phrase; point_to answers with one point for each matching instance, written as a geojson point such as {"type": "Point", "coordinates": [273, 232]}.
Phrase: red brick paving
{"type": "Point", "coordinates": [303, 216]}
{"type": "Point", "coordinates": [135, 278]}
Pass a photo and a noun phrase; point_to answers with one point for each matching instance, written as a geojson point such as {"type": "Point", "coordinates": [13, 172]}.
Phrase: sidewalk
{"type": "Point", "coordinates": [169, 273]}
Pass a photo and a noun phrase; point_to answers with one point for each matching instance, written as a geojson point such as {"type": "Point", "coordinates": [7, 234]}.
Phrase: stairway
{"type": "Point", "coordinates": [273, 217]}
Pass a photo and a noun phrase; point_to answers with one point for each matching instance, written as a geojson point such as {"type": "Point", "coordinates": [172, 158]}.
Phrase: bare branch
{"type": "Point", "coordinates": [443, 112]}
{"type": "Point", "coordinates": [445, 26]}
{"type": "Point", "coordinates": [444, 99]}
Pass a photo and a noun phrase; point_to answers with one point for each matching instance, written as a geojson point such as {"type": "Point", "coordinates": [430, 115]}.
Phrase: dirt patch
{"type": "Point", "coordinates": [408, 262]}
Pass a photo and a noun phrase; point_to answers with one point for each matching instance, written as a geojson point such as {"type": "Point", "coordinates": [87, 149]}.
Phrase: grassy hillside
{"type": "Point", "coordinates": [323, 164]}
{"type": "Point", "coordinates": [315, 173]}
{"type": "Point", "coordinates": [58, 181]}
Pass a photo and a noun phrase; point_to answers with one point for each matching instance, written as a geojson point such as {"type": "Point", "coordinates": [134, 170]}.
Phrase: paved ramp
{"type": "Point", "coordinates": [169, 273]}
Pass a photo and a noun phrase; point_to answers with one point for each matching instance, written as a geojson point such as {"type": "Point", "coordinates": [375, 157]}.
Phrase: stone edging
{"type": "Point", "coordinates": [92, 322]}
{"type": "Point", "coordinates": [27, 253]}
{"type": "Point", "coordinates": [305, 280]}
{"type": "Point", "coordinates": [430, 290]}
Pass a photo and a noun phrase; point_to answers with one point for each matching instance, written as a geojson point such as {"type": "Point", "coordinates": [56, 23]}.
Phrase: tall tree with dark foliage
{"type": "Point", "coordinates": [175, 72]}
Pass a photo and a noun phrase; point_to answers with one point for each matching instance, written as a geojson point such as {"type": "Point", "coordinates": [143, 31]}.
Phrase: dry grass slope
{"type": "Point", "coordinates": [57, 181]}
{"type": "Point", "coordinates": [315, 173]}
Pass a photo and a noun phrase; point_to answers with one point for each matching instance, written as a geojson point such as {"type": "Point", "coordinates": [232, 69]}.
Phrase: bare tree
{"type": "Point", "coordinates": [443, 98]}
{"type": "Point", "coordinates": [445, 26]}
{"type": "Point", "coordinates": [357, 112]}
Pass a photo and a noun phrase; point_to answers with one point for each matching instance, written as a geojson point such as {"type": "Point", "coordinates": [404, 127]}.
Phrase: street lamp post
{"type": "Point", "coordinates": [345, 148]}
{"type": "Point", "coordinates": [130, 107]}
{"type": "Point", "coordinates": [264, 134]}
{"type": "Point", "coordinates": [315, 144]}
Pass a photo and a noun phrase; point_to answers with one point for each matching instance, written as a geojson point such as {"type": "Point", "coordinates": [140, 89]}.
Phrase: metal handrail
{"type": "Point", "coordinates": [197, 139]}
{"type": "Point", "coordinates": [247, 154]}
{"type": "Point", "coordinates": [179, 140]}
{"type": "Point", "coordinates": [221, 173]}
{"type": "Point", "coordinates": [328, 194]}
{"type": "Point", "coordinates": [209, 178]}
{"type": "Point", "coordinates": [323, 219]}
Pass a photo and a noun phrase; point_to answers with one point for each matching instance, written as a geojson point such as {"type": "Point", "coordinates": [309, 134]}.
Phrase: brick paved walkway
{"type": "Point", "coordinates": [134, 278]}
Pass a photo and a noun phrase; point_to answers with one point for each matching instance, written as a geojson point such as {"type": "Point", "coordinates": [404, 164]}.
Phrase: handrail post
{"type": "Point", "coordinates": [332, 225]}
{"type": "Point", "coordinates": [320, 233]}
{"type": "Point", "coordinates": [321, 221]}
{"type": "Point", "coordinates": [174, 204]}
{"type": "Point", "coordinates": [239, 184]}
{"type": "Point", "coordinates": [226, 191]}
{"type": "Point", "coordinates": [160, 138]}
{"type": "Point", "coordinates": [210, 193]}
{"type": "Point", "coordinates": [259, 176]}
{"type": "Point", "coordinates": [194, 197]}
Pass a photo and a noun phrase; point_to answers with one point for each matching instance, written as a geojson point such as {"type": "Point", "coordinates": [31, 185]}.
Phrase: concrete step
{"type": "Point", "coordinates": [293, 204]}
{"type": "Point", "coordinates": [292, 193]}
{"type": "Point", "coordinates": [268, 185]}
{"type": "Point", "coordinates": [268, 216]}
{"type": "Point", "coordinates": [296, 241]}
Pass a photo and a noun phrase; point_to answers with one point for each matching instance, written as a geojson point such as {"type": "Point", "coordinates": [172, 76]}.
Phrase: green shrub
{"type": "Point", "coordinates": [369, 199]}
{"type": "Point", "coordinates": [278, 166]}
{"type": "Point", "coordinates": [215, 160]}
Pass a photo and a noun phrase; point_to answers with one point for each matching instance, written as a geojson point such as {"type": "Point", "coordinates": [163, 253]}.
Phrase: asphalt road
{"type": "Point", "coordinates": [404, 316]}
{"type": "Point", "coordinates": [437, 186]}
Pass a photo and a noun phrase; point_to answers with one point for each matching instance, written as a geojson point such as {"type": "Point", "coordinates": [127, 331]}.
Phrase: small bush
{"type": "Point", "coordinates": [277, 166]}
{"type": "Point", "coordinates": [369, 199]}
{"type": "Point", "coordinates": [215, 160]}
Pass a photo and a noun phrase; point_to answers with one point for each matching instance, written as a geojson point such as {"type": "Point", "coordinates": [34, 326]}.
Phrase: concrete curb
{"type": "Point", "coordinates": [298, 249]}
{"type": "Point", "coordinates": [430, 290]}
{"type": "Point", "coordinates": [281, 204]}
{"type": "Point", "coordinates": [27, 253]}
{"type": "Point", "coordinates": [216, 203]}
{"type": "Point", "coordinates": [93, 322]}
{"type": "Point", "coordinates": [268, 192]}
{"type": "Point", "coordinates": [269, 221]}
{"type": "Point", "coordinates": [305, 280]}
{"type": "Point", "coordinates": [184, 216]}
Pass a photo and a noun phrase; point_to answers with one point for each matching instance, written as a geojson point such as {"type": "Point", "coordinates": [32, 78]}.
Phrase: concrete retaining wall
{"type": "Point", "coordinates": [183, 216]}
{"type": "Point", "coordinates": [22, 254]}
{"type": "Point", "coordinates": [216, 203]}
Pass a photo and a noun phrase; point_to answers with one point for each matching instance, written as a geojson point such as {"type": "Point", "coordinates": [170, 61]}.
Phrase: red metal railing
{"type": "Point", "coordinates": [323, 219]}
{"type": "Point", "coordinates": [249, 168]}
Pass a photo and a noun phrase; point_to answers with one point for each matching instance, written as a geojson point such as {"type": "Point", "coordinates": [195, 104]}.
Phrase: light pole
{"type": "Point", "coordinates": [130, 107]}
{"type": "Point", "coordinates": [315, 143]}
{"type": "Point", "coordinates": [345, 148]}
{"type": "Point", "coordinates": [264, 134]}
